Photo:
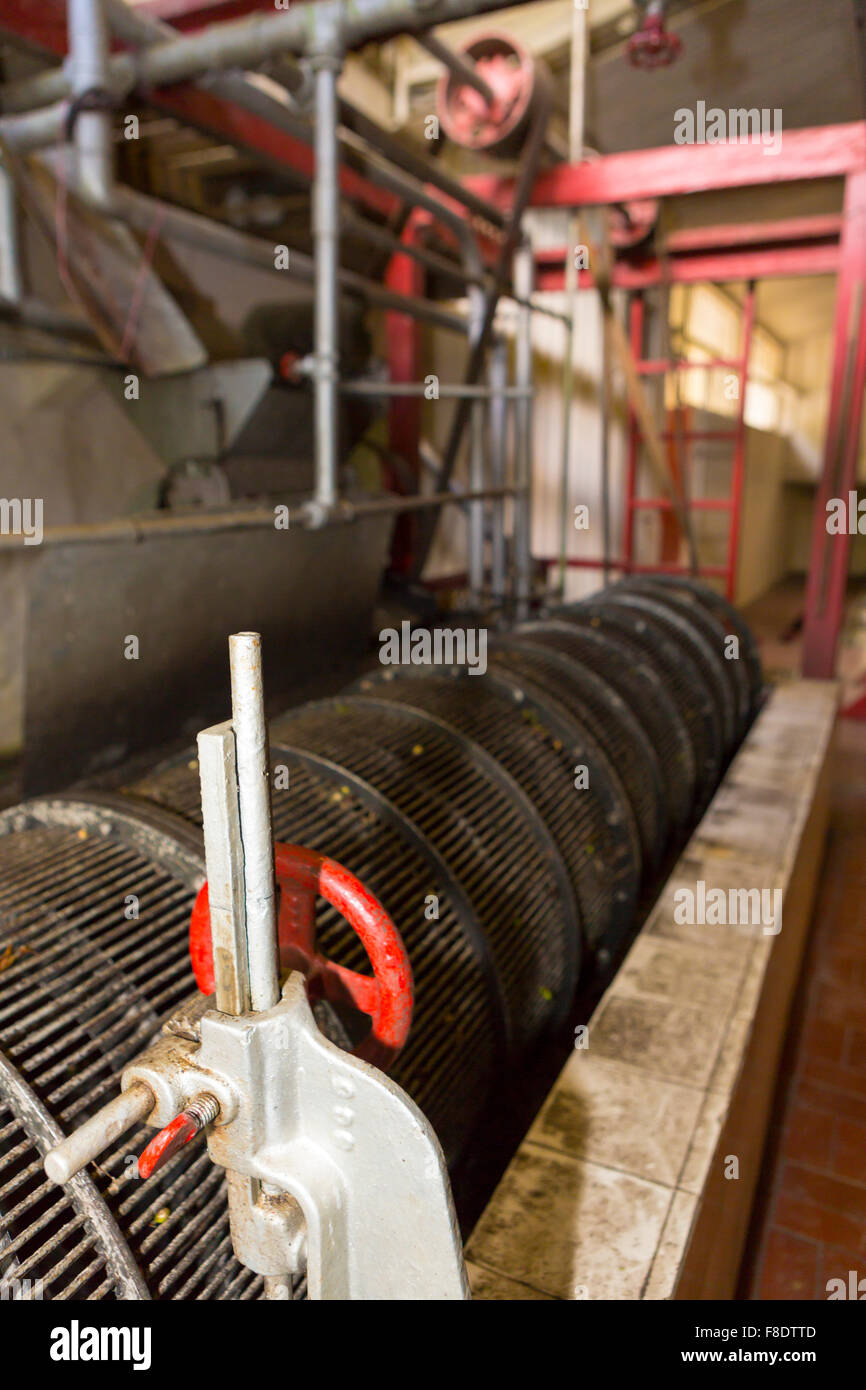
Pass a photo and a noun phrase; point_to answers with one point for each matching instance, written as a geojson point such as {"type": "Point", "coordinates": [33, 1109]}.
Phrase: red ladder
{"type": "Point", "coordinates": [733, 502]}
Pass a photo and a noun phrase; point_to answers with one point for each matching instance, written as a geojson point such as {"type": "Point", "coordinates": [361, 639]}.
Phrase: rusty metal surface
{"type": "Point", "coordinates": [310, 594]}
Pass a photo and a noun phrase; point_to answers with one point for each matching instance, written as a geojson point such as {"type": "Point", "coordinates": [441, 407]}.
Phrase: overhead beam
{"type": "Point", "coordinates": [672, 170]}
{"type": "Point", "coordinates": [760, 263]}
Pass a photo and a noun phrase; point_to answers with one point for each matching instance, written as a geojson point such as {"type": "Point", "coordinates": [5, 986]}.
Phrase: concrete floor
{"type": "Point", "coordinates": [809, 1223]}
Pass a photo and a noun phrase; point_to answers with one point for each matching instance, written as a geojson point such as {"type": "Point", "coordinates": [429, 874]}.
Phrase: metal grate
{"type": "Point", "coordinates": [731, 621]}
{"type": "Point", "coordinates": [83, 990]}
{"type": "Point", "coordinates": [686, 635]}
{"type": "Point", "coordinates": [494, 712]}
{"type": "Point", "coordinates": [679, 674]}
{"type": "Point", "coordinates": [595, 704]}
{"type": "Point", "coordinates": [733, 671]}
{"type": "Point", "coordinates": [640, 686]}
{"type": "Point", "coordinates": [448, 1063]}
{"type": "Point", "coordinates": [485, 830]}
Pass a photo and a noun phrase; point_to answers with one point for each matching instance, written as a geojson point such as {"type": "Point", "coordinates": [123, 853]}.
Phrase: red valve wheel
{"type": "Point", "coordinates": [653, 46]}
{"type": "Point", "coordinates": [386, 995]}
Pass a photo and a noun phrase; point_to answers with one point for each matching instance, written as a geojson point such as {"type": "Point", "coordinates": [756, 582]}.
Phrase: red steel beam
{"type": "Point", "coordinates": [403, 339]}
{"type": "Point", "coordinates": [759, 264]}
{"type": "Point", "coordinates": [826, 227]}
{"type": "Point", "coordinates": [815, 153]}
{"type": "Point", "coordinates": [828, 569]}
{"type": "Point", "coordinates": [43, 24]}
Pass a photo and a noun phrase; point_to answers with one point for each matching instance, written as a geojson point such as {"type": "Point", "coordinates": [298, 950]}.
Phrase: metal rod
{"type": "Point", "coordinates": [523, 273]}
{"type": "Point", "coordinates": [445, 390]}
{"type": "Point", "coordinates": [252, 41]}
{"type": "Point", "coordinates": [254, 803]}
{"type": "Point", "coordinates": [136, 529]}
{"type": "Point", "coordinates": [11, 279]}
{"type": "Point", "coordinates": [457, 64]}
{"type": "Point", "coordinates": [88, 51]}
{"type": "Point", "coordinates": [531, 156]}
{"type": "Point", "coordinates": [239, 89]}
{"type": "Point", "coordinates": [326, 243]}
{"type": "Point", "coordinates": [422, 169]}
{"type": "Point", "coordinates": [75, 1152]}
{"type": "Point", "coordinates": [497, 430]}
{"type": "Point", "coordinates": [140, 211]}
{"type": "Point", "coordinates": [218, 773]}
{"type": "Point", "coordinates": [571, 282]}
{"type": "Point", "coordinates": [475, 511]}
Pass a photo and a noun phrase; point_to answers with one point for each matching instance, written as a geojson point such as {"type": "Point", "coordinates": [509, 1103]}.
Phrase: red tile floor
{"type": "Point", "coordinates": [809, 1223]}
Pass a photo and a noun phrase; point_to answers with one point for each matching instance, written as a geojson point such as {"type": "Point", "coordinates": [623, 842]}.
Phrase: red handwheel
{"type": "Point", "coordinates": [386, 995]}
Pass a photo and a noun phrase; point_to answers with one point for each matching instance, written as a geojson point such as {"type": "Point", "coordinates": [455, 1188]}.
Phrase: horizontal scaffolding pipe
{"type": "Point", "coordinates": [190, 227]}
{"type": "Point", "coordinates": [250, 42]}
{"type": "Point", "coordinates": [141, 528]}
{"type": "Point", "coordinates": [580, 562]}
{"type": "Point", "coordinates": [445, 391]}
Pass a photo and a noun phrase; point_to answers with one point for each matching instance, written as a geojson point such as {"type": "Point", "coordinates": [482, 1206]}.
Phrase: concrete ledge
{"type": "Point", "coordinates": [621, 1189]}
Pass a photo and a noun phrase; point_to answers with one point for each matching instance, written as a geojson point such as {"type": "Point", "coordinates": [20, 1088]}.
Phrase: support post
{"type": "Point", "coordinates": [497, 432]}
{"type": "Point", "coordinates": [828, 566]}
{"type": "Point", "coordinates": [88, 46]}
{"type": "Point", "coordinates": [254, 805]}
{"type": "Point", "coordinates": [326, 242]}
{"type": "Point", "coordinates": [476, 461]}
{"type": "Point", "coordinates": [523, 284]}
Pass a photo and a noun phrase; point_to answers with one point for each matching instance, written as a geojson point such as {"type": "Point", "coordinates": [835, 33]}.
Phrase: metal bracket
{"type": "Point", "coordinates": [355, 1153]}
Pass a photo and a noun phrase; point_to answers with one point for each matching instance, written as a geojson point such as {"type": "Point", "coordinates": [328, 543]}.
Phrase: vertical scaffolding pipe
{"type": "Point", "coordinates": [523, 285]}
{"type": "Point", "coordinates": [497, 432]}
{"type": "Point", "coordinates": [326, 244]}
{"type": "Point", "coordinates": [11, 282]}
{"type": "Point", "coordinates": [254, 804]}
{"type": "Point", "coordinates": [476, 461]}
{"type": "Point", "coordinates": [89, 52]}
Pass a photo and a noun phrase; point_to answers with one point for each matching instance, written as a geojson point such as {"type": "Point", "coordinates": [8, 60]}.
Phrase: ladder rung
{"type": "Point", "coordinates": [699, 434]}
{"type": "Point", "coordinates": [697, 504]}
{"type": "Point", "coordinates": [657, 365]}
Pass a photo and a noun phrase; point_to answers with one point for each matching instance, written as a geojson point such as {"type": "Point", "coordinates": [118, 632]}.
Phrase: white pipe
{"type": "Point", "coordinates": [79, 1148]}
{"type": "Point", "coordinates": [11, 281]}
{"type": "Point", "coordinates": [88, 51]}
{"type": "Point", "coordinates": [254, 804]}
{"type": "Point", "coordinates": [326, 246]}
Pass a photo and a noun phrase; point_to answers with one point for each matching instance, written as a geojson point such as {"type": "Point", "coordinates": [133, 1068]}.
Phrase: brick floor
{"type": "Point", "coordinates": [809, 1223]}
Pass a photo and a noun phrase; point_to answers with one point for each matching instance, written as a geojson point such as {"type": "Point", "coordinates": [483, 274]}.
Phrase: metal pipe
{"type": "Point", "coordinates": [524, 264]}
{"type": "Point", "coordinates": [458, 391]}
{"type": "Point", "coordinates": [69, 1157]}
{"type": "Point", "coordinates": [531, 155]}
{"type": "Point", "coordinates": [33, 130]}
{"type": "Point", "coordinates": [475, 536]}
{"type": "Point", "coordinates": [253, 41]}
{"type": "Point", "coordinates": [326, 245]}
{"type": "Point", "coordinates": [254, 805]}
{"type": "Point", "coordinates": [422, 169]}
{"type": "Point", "coordinates": [11, 279]}
{"type": "Point", "coordinates": [88, 53]}
{"type": "Point", "coordinates": [140, 211]}
{"type": "Point", "coordinates": [137, 529]}
{"type": "Point", "coordinates": [497, 431]}
{"type": "Point", "coordinates": [457, 64]}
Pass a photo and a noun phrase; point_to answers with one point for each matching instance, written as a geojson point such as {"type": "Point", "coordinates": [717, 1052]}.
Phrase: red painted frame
{"type": "Point", "coordinates": [753, 251]}
{"type": "Point", "coordinates": [817, 152]}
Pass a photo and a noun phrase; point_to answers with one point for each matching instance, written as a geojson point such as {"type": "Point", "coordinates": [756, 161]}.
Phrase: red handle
{"type": "Point", "coordinates": [386, 995]}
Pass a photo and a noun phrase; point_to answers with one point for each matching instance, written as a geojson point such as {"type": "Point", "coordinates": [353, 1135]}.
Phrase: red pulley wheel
{"type": "Point", "coordinates": [386, 995]}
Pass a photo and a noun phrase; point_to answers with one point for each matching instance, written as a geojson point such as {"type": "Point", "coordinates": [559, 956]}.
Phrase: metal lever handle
{"type": "Point", "coordinates": [115, 1118]}
{"type": "Point", "coordinates": [201, 1111]}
